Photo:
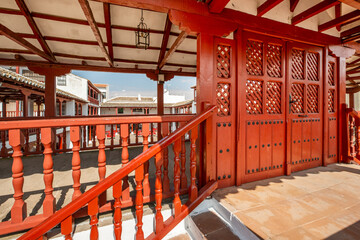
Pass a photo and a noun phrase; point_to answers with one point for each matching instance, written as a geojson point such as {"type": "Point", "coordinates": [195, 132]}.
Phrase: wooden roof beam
{"type": "Point", "coordinates": [340, 20]}
{"type": "Point", "coordinates": [26, 13]}
{"type": "Point", "coordinates": [352, 3]}
{"type": "Point", "coordinates": [318, 8]}
{"type": "Point", "coordinates": [350, 32]}
{"type": "Point", "coordinates": [338, 14]}
{"type": "Point", "coordinates": [21, 41]}
{"type": "Point", "coordinates": [107, 17]}
{"type": "Point", "coordinates": [165, 40]}
{"type": "Point", "coordinates": [175, 45]}
{"type": "Point", "coordinates": [293, 4]}
{"type": "Point", "coordinates": [267, 6]}
{"type": "Point", "coordinates": [217, 6]}
{"type": "Point", "coordinates": [94, 27]}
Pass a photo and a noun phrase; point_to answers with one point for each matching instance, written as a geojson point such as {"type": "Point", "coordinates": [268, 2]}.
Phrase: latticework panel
{"type": "Point", "coordinates": [297, 98]}
{"type": "Point", "coordinates": [297, 64]}
{"type": "Point", "coordinates": [223, 61]}
{"type": "Point", "coordinates": [312, 100]}
{"type": "Point", "coordinates": [273, 97]}
{"type": "Point", "coordinates": [254, 97]}
{"type": "Point", "coordinates": [254, 58]}
{"type": "Point", "coordinates": [331, 100]}
{"type": "Point", "coordinates": [273, 59]}
{"type": "Point", "coordinates": [331, 73]}
{"type": "Point", "coordinates": [313, 66]}
{"type": "Point", "coordinates": [223, 99]}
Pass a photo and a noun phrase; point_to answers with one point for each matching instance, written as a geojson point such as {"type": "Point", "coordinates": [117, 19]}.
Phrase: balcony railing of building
{"type": "Point", "coordinates": [46, 130]}
{"type": "Point", "coordinates": [353, 131]}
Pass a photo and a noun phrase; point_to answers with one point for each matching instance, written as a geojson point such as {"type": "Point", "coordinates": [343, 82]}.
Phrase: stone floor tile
{"type": "Point", "coordinates": [295, 234]}
{"type": "Point", "coordinates": [243, 200]}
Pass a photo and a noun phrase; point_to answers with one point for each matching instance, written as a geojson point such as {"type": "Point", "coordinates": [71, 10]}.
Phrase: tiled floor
{"type": "Point", "coordinates": [319, 203]}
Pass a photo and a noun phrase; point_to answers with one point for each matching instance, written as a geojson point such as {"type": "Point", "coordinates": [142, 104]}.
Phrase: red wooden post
{"type": "Point", "coordinates": [76, 172]}
{"type": "Point", "coordinates": [139, 176]}
{"type": "Point", "coordinates": [93, 209]}
{"type": "Point", "coordinates": [93, 136]}
{"type": "Point", "coordinates": [66, 228]}
{"type": "Point", "coordinates": [183, 162]}
{"type": "Point", "coordinates": [47, 138]}
{"type": "Point", "coordinates": [352, 137]}
{"type": "Point", "coordinates": [177, 202]}
{"type": "Point", "coordinates": [100, 133]}
{"type": "Point", "coordinates": [18, 211]}
{"type": "Point", "coordinates": [124, 160]}
{"type": "Point", "coordinates": [358, 138]}
{"type": "Point", "coordinates": [159, 222]}
{"type": "Point", "coordinates": [145, 133]}
{"type": "Point", "coordinates": [193, 191]}
{"type": "Point", "coordinates": [117, 209]}
{"type": "Point", "coordinates": [60, 107]}
{"type": "Point", "coordinates": [166, 180]}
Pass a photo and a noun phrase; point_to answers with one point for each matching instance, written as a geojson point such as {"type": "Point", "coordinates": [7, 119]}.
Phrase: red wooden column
{"type": "Point", "coordinates": [60, 107]}
{"type": "Point", "coordinates": [351, 100]}
{"type": "Point", "coordinates": [4, 108]}
{"type": "Point", "coordinates": [26, 95]}
{"type": "Point", "coordinates": [18, 211]}
{"type": "Point", "coordinates": [17, 113]}
{"type": "Point", "coordinates": [160, 104]}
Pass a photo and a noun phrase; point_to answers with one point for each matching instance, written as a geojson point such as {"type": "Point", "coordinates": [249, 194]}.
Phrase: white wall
{"type": "Point", "coordinates": [76, 85]}
{"type": "Point", "coordinates": [127, 111]}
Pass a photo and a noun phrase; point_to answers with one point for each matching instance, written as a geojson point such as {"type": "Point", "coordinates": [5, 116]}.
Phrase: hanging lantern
{"type": "Point", "coordinates": [142, 35]}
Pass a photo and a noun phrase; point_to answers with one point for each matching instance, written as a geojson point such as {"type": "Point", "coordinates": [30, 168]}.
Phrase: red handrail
{"type": "Point", "coordinates": [117, 176]}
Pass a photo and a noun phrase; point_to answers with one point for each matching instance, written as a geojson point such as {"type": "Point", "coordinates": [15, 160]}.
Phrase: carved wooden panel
{"type": "Point", "coordinates": [331, 73]}
{"type": "Point", "coordinates": [223, 99]}
{"type": "Point", "coordinates": [331, 100]}
{"type": "Point", "coordinates": [273, 60]}
{"type": "Point", "coordinates": [312, 98]}
{"type": "Point", "coordinates": [273, 97]}
{"type": "Point", "coordinates": [297, 97]}
{"type": "Point", "coordinates": [223, 61]}
{"type": "Point", "coordinates": [297, 64]}
{"type": "Point", "coordinates": [254, 97]}
{"type": "Point", "coordinates": [254, 58]}
{"type": "Point", "coordinates": [313, 66]}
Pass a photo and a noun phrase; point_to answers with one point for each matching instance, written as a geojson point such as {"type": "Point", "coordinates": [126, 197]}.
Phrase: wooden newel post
{"type": "Point", "coordinates": [100, 133]}
{"type": "Point", "coordinates": [76, 172]}
{"type": "Point", "coordinates": [18, 211]}
{"type": "Point", "coordinates": [47, 139]}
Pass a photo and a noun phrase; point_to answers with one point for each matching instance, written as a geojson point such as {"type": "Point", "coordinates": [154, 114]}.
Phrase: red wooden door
{"type": "Point", "coordinates": [261, 104]}
{"type": "Point", "coordinates": [305, 106]}
{"type": "Point", "coordinates": [224, 120]}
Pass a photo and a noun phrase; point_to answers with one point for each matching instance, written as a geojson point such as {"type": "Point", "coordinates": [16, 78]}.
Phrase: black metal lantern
{"type": "Point", "coordinates": [142, 35]}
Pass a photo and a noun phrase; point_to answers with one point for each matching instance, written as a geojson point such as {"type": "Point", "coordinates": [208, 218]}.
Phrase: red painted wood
{"type": "Point", "coordinates": [107, 17]}
{"type": "Point", "coordinates": [18, 210]}
{"type": "Point", "coordinates": [146, 183]}
{"type": "Point", "coordinates": [193, 190]}
{"type": "Point", "coordinates": [158, 194]}
{"type": "Point", "coordinates": [139, 176]}
{"type": "Point", "coordinates": [338, 15]}
{"type": "Point", "coordinates": [267, 6]}
{"type": "Point", "coordinates": [76, 169]}
{"type": "Point", "coordinates": [350, 32]}
{"type": "Point", "coordinates": [66, 228]}
{"type": "Point", "coordinates": [318, 8]}
{"type": "Point", "coordinates": [166, 180]}
{"type": "Point", "coordinates": [124, 161]}
{"type": "Point", "coordinates": [93, 210]}
{"type": "Point", "coordinates": [100, 134]}
{"type": "Point", "coordinates": [293, 4]}
{"type": "Point", "coordinates": [117, 192]}
{"type": "Point", "coordinates": [47, 139]}
{"type": "Point", "coordinates": [217, 6]}
{"type": "Point", "coordinates": [177, 202]}
{"type": "Point", "coordinates": [183, 178]}
{"type": "Point", "coordinates": [165, 40]}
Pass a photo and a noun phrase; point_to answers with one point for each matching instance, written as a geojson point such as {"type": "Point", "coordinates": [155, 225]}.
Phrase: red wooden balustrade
{"type": "Point", "coordinates": [46, 134]}
{"type": "Point", "coordinates": [117, 180]}
{"type": "Point", "coordinates": [353, 121]}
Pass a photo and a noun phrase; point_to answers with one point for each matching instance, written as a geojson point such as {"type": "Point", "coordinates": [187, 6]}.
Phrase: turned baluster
{"type": "Point", "coordinates": [47, 138]}
{"type": "Point", "coordinates": [93, 136]}
{"type": "Point", "coordinates": [358, 139]}
{"type": "Point", "coordinates": [117, 209]}
{"type": "Point", "coordinates": [159, 222]}
{"type": "Point", "coordinates": [352, 137]}
{"type": "Point", "coordinates": [183, 178]}
{"type": "Point", "coordinates": [136, 134]}
{"type": "Point", "coordinates": [66, 228]}
{"type": "Point", "coordinates": [165, 155]}
{"type": "Point", "coordinates": [100, 133]}
{"type": "Point", "coordinates": [177, 202]}
{"type": "Point", "coordinates": [18, 210]}
{"type": "Point", "coordinates": [76, 173]}
{"type": "Point", "coordinates": [145, 130]}
{"type": "Point", "coordinates": [93, 209]}
{"type": "Point", "coordinates": [193, 190]}
{"type": "Point", "coordinates": [139, 176]}
{"type": "Point", "coordinates": [124, 160]}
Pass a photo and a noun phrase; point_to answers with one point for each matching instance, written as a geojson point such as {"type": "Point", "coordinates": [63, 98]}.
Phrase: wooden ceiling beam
{"type": "Point", "coordinates": [348, 78]}
{"type": "Point", "coordinates": [94, 27]}
{"type": "Point", "coordinates": [293, 4]}
{"type": "Point", "coordinates": [107, 17]}
{"type": "Point", "coordinates": [173, 48]}
{"type": "Point", "coordinates": [340, 20]}
{"type": "Point", "coordinates": [26, 13]}
{"type": "Point", "coordinates": [21, 41]}
{"type": "Point", "coordinates": [338, 14]}
{"type": "Point", "coordinates": [318, 8]}
{"type": "Point", "coordinates": [351, 39]}
{"type": "Point", "coordinates": [165, 40]}
{"type": "Point", "coordinates": [354, 70]}
{"type": "Point", "coordinates": [350, 32]}
{"type": "Point", "coordinates": [352, 3]}
{"type": "Point", "coordinates": [217, 6]}
{"type": "Point", "coordinates": [267, 6]}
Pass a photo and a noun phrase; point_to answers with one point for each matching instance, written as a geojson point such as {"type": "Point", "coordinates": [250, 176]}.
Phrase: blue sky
{"type": "Point", "coordinates": [124, 84]}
